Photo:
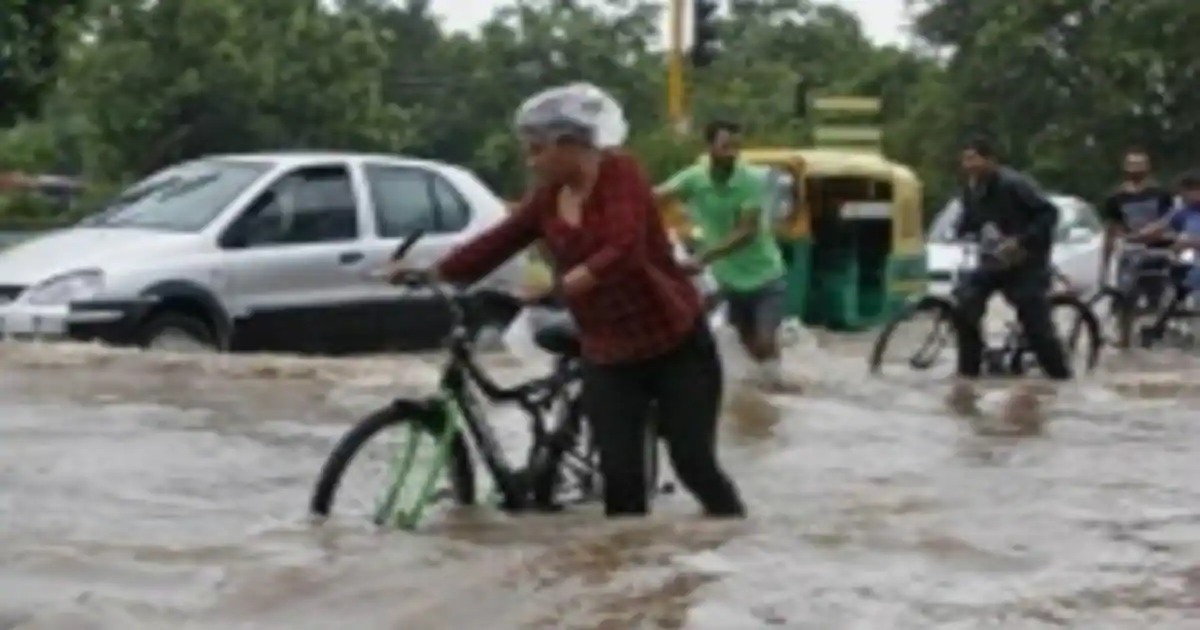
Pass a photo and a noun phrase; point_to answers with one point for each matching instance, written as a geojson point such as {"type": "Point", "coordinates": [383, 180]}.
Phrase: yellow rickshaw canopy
{"type": "Point", "coordinates": [836, 163]}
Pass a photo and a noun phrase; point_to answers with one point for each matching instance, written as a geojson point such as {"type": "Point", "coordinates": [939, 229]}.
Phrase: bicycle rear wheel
{"type": "Point", "coordinates": [427, 446]}
{"type": "Point", "coordinates": [933, 320]}
{"type": "Point", "coordinates": [573, 469]}
{"type": "Point", "coordinates": [1082, 338]}
{"type": "Point", "coordinates": [1116, 316]}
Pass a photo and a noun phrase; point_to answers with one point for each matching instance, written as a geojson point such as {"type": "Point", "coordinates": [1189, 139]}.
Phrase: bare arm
{"type": "Point", "coordinates": [743, 233]}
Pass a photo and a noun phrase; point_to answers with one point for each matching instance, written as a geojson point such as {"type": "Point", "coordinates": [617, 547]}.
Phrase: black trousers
{"type": "Point", "coordinates": [1028, 290]}
{"type": "Point", "coordinates": [685, 386]}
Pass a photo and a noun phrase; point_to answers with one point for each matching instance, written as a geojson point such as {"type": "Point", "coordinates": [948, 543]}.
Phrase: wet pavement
{"type": "Point", "coordinates": [154, 491]}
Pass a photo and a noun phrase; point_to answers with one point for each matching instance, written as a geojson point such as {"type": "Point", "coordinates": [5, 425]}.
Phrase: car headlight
{"type": "Point", "coordinates": [66, 288]}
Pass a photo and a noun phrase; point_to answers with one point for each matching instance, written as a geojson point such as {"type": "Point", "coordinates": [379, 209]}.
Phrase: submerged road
{"type": "Point", "coordinates": [152, 491]}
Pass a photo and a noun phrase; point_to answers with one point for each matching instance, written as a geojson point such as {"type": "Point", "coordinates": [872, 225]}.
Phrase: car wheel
{"type": "Point", "coordinates": [175, 332]}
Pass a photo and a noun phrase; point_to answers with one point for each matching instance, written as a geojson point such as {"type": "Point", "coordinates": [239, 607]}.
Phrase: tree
{"type": "Point", "coordinates": [31, 38]}
{"type": "Point", "coordinates": [177, 79]}
{"type": "Point", "coordinates": [1066, 85]}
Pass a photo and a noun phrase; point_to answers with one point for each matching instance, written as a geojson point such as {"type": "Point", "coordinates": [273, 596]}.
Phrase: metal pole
{"type": "Point", "coordinates": [675, 107]}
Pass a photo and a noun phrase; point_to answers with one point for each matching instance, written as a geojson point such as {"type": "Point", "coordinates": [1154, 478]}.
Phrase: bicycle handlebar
{"type": "Point", "coordinates": [526, 393]}
{"type": "Point", "coordinates": [453, 298]}
{"type": "Point", "coordinates": [1145, 251]}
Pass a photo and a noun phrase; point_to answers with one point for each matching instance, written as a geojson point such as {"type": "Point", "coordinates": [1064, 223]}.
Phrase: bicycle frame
{"type": "Point", "coordinates": [455, 409]}
{"type": "Point", "coordinates": [1132, 273]}
{"type": "Point", "coordinates": [1012, 345]}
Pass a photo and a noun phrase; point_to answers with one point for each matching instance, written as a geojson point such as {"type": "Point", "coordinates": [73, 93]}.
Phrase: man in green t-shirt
{"type": "Point", "coordinates": [725, 200]}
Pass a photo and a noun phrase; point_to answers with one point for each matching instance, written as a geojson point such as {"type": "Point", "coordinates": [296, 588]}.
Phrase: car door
{"type": "Point", "coordinates": [403, 199]}
{"type": "Point", "coordinates": [293, 260]}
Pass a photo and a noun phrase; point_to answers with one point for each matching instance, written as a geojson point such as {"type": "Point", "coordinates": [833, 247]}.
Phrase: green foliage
{"type": "Point", "coordinates": [32, 34]}
{"type": "Point", "coordinates": [1066, 86]}
{"type": "Point", "coordinates": [127, 86]}
{"type": "Point", "coordinates": [27, 146]}
{"type": "Point", "coordinates": [24, 207]}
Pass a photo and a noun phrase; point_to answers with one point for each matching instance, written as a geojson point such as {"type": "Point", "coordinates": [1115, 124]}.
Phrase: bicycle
{"type": "Point", "coordinates": [1175, 323]}
{"type": "Point", "coordinates": [1143, 281]}
{"type": "Point", "coordinates": [1012, 356]}
{"type": "Point", "coordinates": [562, 457]}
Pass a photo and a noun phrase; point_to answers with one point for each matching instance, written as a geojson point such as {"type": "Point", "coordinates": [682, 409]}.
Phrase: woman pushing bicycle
{"type": "Point", "coordinates": [644, 337]}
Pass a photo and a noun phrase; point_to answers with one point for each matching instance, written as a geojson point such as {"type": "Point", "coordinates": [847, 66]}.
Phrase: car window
{"type": "Point", "coordinates": [183, 198]}
{"type": "Point", "coordinates": [1088, 217]}
{"type": "Point", "coordinates": [453, 214]}
{"type": "Point", "coordinates": [1074, 214]}
{"type": "Point", "coordinates": [403, 200]}
{"type": "Point", "coordinates": [942, 229]}
{"type": "Point", "coordinates": [310, 205]}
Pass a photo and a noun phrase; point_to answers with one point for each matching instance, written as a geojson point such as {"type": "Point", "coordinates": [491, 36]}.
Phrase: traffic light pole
{"type": "Point", "coordinates": [675, 104]}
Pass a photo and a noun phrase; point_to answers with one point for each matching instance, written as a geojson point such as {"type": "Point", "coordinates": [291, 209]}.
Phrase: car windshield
{"type": "Point", "coordinates": [183, 198]}
{"type": "Point", "coordinates": [1071, 214]}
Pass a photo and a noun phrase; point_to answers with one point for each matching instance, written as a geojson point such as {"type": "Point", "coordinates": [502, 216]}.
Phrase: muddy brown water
{"type": "Point", "coordinates": [155, 491]}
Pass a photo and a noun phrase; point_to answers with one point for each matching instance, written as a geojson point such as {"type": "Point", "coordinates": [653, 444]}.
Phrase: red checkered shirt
{"type": "Point", "coordinates": [643, 303]}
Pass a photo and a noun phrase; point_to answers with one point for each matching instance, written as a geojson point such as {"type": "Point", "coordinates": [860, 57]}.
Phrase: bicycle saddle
{"type": "Point", "coordinates": [556, 333]}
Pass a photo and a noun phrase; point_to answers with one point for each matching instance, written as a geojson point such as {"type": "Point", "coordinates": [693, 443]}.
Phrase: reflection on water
{"type": "Point", "coordinates": [153, 491]}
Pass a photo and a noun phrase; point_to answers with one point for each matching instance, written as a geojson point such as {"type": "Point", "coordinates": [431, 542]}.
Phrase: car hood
{"type": "Point", "coordinates": [70, 249]}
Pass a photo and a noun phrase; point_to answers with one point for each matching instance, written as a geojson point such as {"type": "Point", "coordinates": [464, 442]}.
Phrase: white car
{"type": "Point", "coordinates": [265, 252]}
{"type": "Point", "coordinates": [1078, 246]}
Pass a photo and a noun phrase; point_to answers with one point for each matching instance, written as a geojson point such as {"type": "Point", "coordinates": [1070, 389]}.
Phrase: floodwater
{"type": "Point", "coordinates": [155, 491]}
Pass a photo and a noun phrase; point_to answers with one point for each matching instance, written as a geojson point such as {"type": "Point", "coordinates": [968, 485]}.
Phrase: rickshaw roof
{"type": "Point", "coordinates": [835, 163]}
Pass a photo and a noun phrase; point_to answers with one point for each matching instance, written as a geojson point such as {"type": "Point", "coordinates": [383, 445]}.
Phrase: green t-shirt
{"type": "Point", "coordinates": [715, 208]}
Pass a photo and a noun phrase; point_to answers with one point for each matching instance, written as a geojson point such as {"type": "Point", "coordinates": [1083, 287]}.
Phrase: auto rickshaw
{"type": "Point", "coordinates": [850, 227]}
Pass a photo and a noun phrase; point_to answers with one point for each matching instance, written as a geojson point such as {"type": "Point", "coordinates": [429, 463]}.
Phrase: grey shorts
{"type": "Point", "coordinates": [758, 311]}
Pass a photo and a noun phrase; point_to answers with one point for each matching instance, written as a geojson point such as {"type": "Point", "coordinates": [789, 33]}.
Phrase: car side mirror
{"type": "Point", "coordinates": [234, 238]}
{"type": "Point", "coordinates": [236, 235]}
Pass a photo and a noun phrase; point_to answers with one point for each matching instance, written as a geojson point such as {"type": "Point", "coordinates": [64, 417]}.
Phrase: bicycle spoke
{"type": "Point", "coordinates": [436, 467]}
{"type": "Point", "coordinates": [385, 508]}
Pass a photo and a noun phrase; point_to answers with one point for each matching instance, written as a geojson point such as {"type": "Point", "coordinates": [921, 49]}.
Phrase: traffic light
{"type": "Point", "coordinates": [704, 32]}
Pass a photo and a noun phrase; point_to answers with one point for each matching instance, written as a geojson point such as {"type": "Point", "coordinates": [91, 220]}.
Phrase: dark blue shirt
{"type": "Point", "coordinates": [1186, 221]}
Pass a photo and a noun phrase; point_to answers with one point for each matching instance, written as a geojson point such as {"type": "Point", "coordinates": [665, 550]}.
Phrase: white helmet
{"type": "Point", "coordinates": [581, 110]}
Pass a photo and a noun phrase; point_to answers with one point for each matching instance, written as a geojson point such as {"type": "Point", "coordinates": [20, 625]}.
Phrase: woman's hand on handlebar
{"type": "Point", "coordinates": [537, 296]}
{"type": "Point", "coordinates": [399, 273]}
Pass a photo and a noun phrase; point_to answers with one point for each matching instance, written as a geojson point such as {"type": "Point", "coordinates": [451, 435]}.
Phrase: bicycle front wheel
{"type": "Point", "coordinates": [929, 322]}
{"type": "Point", "coordinates": [413, 451]}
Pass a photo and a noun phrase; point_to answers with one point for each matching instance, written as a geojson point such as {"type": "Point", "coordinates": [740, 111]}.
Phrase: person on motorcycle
{"type": "Point", "coordinates": [643, 334]}
{"type": "Point", "coordinates": [1137, 203]}
{"type": "Point", "coordinates": [725, 199]}
{"type": "Point", "coordinates": [1014, 224]}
